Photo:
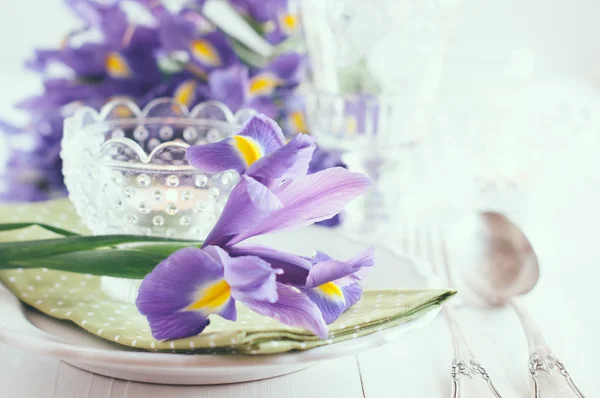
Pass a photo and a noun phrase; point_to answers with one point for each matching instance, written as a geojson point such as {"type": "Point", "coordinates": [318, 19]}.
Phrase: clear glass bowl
{"type": "Point", "coordinates": [127, 172]}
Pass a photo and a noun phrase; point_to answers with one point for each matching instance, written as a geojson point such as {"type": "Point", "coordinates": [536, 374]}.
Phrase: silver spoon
{"type": "Point", "coordinates": [507, 267]}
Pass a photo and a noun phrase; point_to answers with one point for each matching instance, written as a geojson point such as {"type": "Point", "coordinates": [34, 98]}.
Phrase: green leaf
{"type": "Point", "coordinates": [13, 226]}
{"type": "Point", "coordinates": [164, 248]}
{"type": "Point", "coordinates": [247, 56]}
{"type": "Point", "coordinates": [251, 58]}
{"type": "Point", "coordinates": [121, 263]}
{"type": "Point", "coordinates": [18, 251]}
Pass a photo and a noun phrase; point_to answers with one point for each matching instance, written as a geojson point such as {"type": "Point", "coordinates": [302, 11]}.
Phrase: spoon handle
{"type": "Point", "coordinates": [541, 358]}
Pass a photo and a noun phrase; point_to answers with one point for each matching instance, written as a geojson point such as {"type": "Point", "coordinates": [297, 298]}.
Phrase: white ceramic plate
{"type": "Point", "coordinates": [26, 328]}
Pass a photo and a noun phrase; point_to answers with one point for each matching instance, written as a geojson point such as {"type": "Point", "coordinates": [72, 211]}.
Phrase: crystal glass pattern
{"type": "Point", "coordinates": [127, 172]}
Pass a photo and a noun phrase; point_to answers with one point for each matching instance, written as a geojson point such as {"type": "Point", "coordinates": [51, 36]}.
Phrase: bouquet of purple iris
{"type": "Point", "coordinates": [141, 50]}
{"type": "Point", "coordinates": [194, 280]}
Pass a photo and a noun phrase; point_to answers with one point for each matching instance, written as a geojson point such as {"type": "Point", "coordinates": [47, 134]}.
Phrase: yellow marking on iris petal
{"type": "Point", "coordinates": [263, 84]}
{"type": "Point", "coordinates": [332, 290]}
{"type": "Point", "coordinates": [289, 23]}
{"type": "Point", "coordinates": [249, 149]}
{"type": "Point", "coordinates": [186, 92]}
{"type": "Point", "coordinates": [123, 111]}
{"type": "Point", "coordinates": [298, 122]}
{"type": "Point", "coordinates": [204, 52]}
{"type": "Point", "coordinates": [351, 125]}
{"type": "Point", "coordinates": [116, 66]}
{"type": "Point", "coordinates": [213, 297]}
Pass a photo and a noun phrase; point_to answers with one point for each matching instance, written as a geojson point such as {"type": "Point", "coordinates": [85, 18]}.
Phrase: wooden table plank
{"type": "Point", "coordinates": [337, 378]}
{"type": "Point", "coordinates": [28, 375]}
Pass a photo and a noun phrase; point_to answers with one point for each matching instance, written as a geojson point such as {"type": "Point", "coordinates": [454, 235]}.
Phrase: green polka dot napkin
{"type": "Point", "coordinates": [79, 298]}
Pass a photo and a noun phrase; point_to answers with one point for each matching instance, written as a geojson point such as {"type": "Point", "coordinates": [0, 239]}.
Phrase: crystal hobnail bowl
{"type": "Point", "coordinates": [126, 169]}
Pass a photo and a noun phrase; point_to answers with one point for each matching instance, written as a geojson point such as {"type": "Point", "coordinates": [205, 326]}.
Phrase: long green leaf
{"type": "Point", "coordinates": [163, 248]}
{"type": "Point", "coordinates": [122, 263]}
{"type": "Point", "coordinates": [27, 250]}
{"type": "Point", "coordinates": [13, 226]}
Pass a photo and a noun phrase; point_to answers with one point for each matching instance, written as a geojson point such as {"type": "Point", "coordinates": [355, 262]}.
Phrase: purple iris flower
{"type": "Point", "coordinates": [274, 193]}
{"type": "Point", "coordinates": [279, 20]}
{"type": "Point", "coordinates": [34, 173]}
{"type": "Point", "coordinates": [285, 71]}
{"type": "Point", "coordinates": [125, 53]}
{"type": "Point", "coordinates": [259, 150]}
{"type": "Point", "coordinates": [122, 64]}
{"type": "Point", "coordinates": [259, 147]}
{"type": "Point", "coordinates": [238, 86]}
{"type": "Point", "coordinates": [184, 289]}
{"type": "Point", "coordinates": [333, 285]}
{"type": "Point", "coordinates": [208, 51]}
{"type": "Point", "coordinates": [231, 86]}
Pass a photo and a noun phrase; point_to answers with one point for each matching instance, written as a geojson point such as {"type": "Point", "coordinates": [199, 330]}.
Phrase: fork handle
{"type": "Point", "coordinates": [464, 362]}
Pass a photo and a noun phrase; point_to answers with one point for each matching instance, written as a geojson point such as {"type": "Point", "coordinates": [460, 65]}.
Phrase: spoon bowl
{"type": "Point", "coordinates": [504, 264]}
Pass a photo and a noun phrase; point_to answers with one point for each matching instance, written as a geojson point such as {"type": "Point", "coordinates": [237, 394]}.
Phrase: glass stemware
{"type": "Point", "coordinates": [362, 128]}
{"type": "Point", "coordinates": [375, 70]}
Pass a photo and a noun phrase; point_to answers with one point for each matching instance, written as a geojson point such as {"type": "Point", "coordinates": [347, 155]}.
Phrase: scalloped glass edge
{"type": "Point", "coordinates": [86, 116]}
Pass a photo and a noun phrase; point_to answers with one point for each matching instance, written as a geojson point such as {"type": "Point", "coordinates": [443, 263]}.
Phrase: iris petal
{"type": "Point", "coordinates": [248, 149]}
{"type": "Point", "coordinates": [229, 85]}
{"type": "Point", "coordinates": [177, 325]}
{"type": "Point", "coordinates": [211, 298]}
{"type": "Point", "coordinates": [332, 270]}
{"type": "Point", "coordinates": [248, 204]}
{"type": "Point", "coordinates": [305, 200]}
{"type": "Point", "coordinates": [258, 137]}
{"type": "Point", "coordinates": [116, 66]}
{"type": "Point", "coordinates": [295, 268]}
{"type": "Point", "coordinates": [264, 131]}
{"type": "Point", "coordinates": [173, 283]}
{"type": "Point", "coordinates": [216, 157]}
{"type": "Point", "coordinates": [204, 52]}
{"type": "Point", "coordinates": [249, 277]}
{"type": "Point", "coordinates": [167, 292]}
{"type": "Point", "coordinates": [289, 161]}
{"type": "Point", "coordinates": [263, 84]}
{"type": "Point", "coordinates": [185, 93]}
{"type": "Point", "coordinates": [332, 300]}
{"type": "Point", "coordinates": [292, 308]}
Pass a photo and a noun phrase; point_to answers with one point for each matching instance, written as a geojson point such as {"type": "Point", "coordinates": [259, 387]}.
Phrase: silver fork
{"type": "Point", "coordinates": [428, 242]}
